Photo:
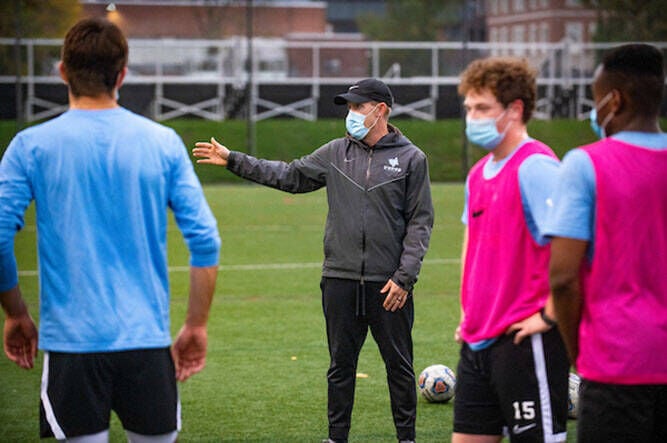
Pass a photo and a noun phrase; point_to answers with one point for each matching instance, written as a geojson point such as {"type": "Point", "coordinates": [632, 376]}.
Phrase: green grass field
{"type": "Point", "coordinates": [266, 375]}
{"type": "Point", "coordinates": [265, 379]}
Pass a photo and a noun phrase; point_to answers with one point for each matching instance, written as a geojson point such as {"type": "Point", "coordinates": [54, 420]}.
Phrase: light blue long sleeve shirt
{"type": "Point", "coordinates": [102, 182]}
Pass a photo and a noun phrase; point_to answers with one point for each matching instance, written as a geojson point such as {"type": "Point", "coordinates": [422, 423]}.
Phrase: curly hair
{"type": "Point", "coordinates": [508, 79]}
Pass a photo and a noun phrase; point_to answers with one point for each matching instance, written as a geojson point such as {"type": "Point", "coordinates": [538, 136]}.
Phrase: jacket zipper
{"type": "Point", "coordinates": [361, 290]}
{"type": "Point", "coordinates": [363, 228]}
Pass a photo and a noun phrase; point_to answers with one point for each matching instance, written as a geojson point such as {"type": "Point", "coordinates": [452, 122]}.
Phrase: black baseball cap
{"type": "Point", "coordinates": [366, 90]}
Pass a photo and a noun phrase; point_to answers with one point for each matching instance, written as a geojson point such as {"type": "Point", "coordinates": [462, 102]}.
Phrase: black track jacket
{"type": "Point", "coordinates": [380, 210]}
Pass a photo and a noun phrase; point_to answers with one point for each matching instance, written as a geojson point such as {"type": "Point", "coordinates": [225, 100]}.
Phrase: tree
{"type": "Point", "coordinates": [411, 20]}
{"type": "Point", "coordinates": [214, 16]}
{"type": "Point", "coordinates": [630, 20]}
{"type": "Point", "coordinates": [22, 19]}
{"type": "Point", "coordinates": [38, 18]}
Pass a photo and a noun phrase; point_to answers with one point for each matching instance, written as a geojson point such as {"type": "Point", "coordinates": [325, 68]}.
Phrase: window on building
{"type": "Point", "coordinates": [518, 36]}
{"type": "Point", "coordinates": [493, 34]}
{"type": "Point", "coordinates": [518, 5]}
{"type": "Point", "coordinates": [533, 4]}
{"type": "Point", "coordinates": [503, 6]}
{"type": "Point", "coordinates": [532, 35]}
{"type": "Point", "coordinates": [574, 31]}
{"type": "Point", "coordinates": [544, 32]}
{"type": "Point", "coordinates": [503, 34]}
{"type": "Point", "coordinates": [572, 2]}
{"type": "Point", "coordinates": [592, 27]}
{"type": "Point", "coordinates": [492, 6]}
{"type": "Point", "coordinates": [503, 37]}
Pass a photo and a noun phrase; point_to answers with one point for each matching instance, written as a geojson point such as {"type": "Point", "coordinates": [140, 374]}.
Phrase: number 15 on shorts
{"type": "Point", "coordinates": [524, 410]}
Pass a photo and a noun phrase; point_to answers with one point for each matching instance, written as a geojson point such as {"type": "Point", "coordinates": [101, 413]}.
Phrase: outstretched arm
{"type": "Point", "coordinates": [189, 347]}
{"type": "Point", "coordinates": [20, 333]}
{"type": "Point", "coordinates": [302, 175]}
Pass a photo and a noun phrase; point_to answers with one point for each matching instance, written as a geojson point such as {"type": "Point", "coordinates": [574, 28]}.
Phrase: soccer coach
{"type": "Point", "coordinates": [377, 232]}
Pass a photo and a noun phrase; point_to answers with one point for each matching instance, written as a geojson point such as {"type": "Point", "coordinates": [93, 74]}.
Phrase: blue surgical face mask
{"type": "Point", "coordinates": [599, 130]}
{"type": "Point", "coordinates": [354, 123]}
{"type": "Point", "coordinates": [484, 132]}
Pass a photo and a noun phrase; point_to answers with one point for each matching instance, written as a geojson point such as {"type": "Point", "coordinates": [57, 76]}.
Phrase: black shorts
{"type": "Point", "coordinates": [622, 413]}
{"type": "Point", "coordinates": [519, 390]}
{"type": "Point", "coordinates": [79, 391]}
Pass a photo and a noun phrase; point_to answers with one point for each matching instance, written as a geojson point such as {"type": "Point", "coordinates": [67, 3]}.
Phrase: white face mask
{"type": "Point", "coordinates": [600, 130]}
{"type": "Point", "coordinates": [354, 123]}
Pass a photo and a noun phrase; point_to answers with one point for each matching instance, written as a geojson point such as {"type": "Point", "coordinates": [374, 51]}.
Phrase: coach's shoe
{"type": "Point", "coordinates": [328, 440]}
{"type": "Point", "coordinates": [406, 441]}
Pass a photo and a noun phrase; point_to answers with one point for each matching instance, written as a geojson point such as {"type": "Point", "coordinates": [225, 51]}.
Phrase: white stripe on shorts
{"type": "Point", "coordinates": [178, 410]}
{"type": "Point", "coordinates": [48, 409]}
{"type": "Point", "coordinates": [545, 398]}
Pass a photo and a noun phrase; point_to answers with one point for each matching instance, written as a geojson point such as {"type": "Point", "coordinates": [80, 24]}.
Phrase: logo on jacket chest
{"type": "Point", "coordinates": [392, 165]}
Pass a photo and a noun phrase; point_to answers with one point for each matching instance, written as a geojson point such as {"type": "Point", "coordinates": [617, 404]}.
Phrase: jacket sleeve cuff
{"type": "Point", "coordinates": [403, 281]}
{"type": "Point", "coordinates": [232, 160]}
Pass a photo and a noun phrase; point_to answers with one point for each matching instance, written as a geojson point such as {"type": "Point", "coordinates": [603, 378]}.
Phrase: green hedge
{"type": "Point", "coordinates": [286, 139]}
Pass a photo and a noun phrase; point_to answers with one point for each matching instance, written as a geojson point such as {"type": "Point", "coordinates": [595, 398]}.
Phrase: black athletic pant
{"type": "Point", "coordinates": [350, 308]}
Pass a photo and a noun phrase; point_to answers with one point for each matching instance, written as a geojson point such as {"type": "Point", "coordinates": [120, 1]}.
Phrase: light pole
{"type": "Point", "coordinates": [250, 99]}
{"type": "Point", "coordinates": [18, 31]}
{"type": "Point", "coordinates": [465, 148]}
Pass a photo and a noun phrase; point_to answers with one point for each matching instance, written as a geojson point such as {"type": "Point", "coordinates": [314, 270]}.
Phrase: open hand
{"type": "Point", "coordinates": [212, 153]}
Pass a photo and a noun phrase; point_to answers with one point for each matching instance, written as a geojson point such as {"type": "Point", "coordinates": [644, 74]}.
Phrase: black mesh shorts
{"type": "Point", "coordinates": [79, 391]}
{"type": "Point", "coordinates": [518, 390]}
{"type": "Point", "coordinates": [622, 413]}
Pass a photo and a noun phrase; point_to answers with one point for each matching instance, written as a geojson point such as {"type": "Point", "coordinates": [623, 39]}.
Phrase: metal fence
{"type": "Point", "coordinates": [215, 79]}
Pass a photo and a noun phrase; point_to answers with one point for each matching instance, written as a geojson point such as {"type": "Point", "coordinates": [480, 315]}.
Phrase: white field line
{"type": "Point", "coordinates": [270, 266]}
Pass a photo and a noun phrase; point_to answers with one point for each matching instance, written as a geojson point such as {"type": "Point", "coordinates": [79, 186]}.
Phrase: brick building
{"type": "Point", "coordinates": [209, 19]}
{"type": "Point", "coordinates": [539, 21]}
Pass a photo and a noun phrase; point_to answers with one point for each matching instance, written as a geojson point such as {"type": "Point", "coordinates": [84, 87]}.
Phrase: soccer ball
{"type": "Point", "coordinates": [437, 383]}
{"type": "Point", "coordinates": [573, 395]}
